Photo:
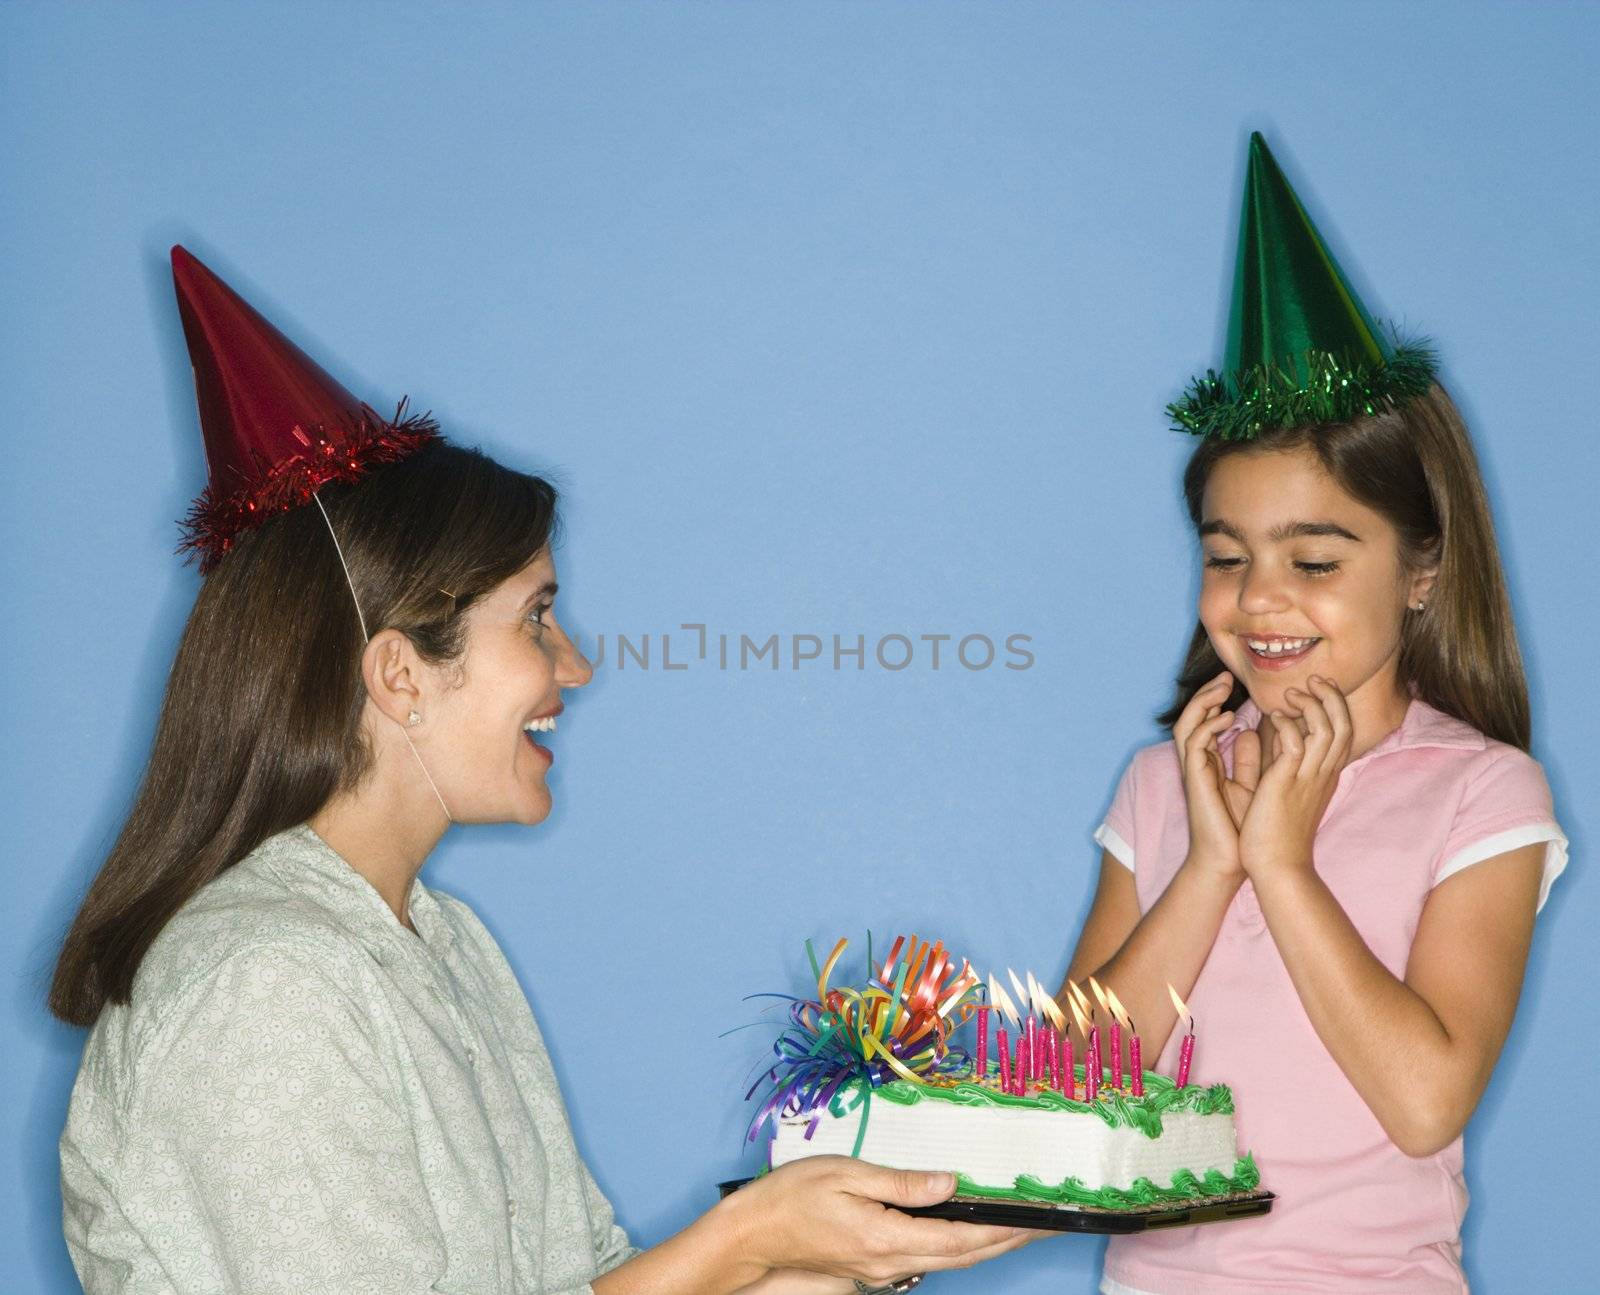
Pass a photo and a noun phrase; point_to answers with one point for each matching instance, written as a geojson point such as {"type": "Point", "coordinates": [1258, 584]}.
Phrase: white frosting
{"type": "Point", "coordinates": [995, 1145]}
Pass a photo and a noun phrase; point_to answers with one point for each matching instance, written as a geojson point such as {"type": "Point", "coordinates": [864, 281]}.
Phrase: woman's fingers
{"type": "Point", "coordinates": [901, 1186]}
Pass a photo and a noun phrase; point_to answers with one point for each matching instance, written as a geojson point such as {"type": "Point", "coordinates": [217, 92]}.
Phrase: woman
{"type": "Point", "coordinates": [307, 1070]}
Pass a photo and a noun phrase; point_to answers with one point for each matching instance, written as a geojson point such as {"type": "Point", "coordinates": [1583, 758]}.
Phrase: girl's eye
{"type": "Point", "coordinates": [537, 615]}
{"type": "Point", "coordinates": [1310, 568]}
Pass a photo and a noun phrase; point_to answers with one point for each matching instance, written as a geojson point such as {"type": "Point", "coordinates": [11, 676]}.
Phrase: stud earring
{"type": "Point", "coordinates": [413, 719]}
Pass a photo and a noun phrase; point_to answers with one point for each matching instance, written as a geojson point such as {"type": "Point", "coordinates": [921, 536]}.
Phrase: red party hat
{"type": "Point", "coordinates": [276, 426]}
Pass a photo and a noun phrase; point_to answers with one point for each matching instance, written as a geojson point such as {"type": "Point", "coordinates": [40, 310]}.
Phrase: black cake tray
{"type": "Point", "coordinates": [1082, 1218]}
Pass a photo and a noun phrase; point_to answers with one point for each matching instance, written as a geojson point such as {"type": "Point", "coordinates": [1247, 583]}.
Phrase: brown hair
{"type": "Point", "coordinates": [1414, 465]}
{"type": "Point", "coordinates": [261, 721]}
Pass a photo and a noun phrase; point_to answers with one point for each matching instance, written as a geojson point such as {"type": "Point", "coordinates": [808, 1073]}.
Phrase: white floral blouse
{"type": "Point", "coordinates": [304, 1096]}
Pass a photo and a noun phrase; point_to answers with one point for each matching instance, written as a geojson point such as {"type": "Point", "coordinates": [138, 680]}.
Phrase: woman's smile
{"type": "Point", "coordinates": [545, 723]}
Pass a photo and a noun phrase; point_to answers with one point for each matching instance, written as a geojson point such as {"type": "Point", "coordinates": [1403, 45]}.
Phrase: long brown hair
{"type": "Point", "coordinates": [261, 721]}
{"type": "Point", "coordinates": [1414, 465]}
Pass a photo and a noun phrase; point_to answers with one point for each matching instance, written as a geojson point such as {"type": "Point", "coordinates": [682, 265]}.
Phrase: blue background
{"type": "Point", "coordinates": [846, 319]}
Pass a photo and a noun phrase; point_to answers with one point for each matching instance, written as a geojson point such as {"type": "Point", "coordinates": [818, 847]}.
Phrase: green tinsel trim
{"type": "Point", "coordinates": [1269, 395]}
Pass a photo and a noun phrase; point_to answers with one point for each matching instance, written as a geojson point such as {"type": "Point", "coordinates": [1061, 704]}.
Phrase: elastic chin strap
{"type": "Point", "coordinates": [367, 638]}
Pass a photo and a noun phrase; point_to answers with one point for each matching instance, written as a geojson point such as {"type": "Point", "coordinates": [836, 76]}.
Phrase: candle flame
{"type": "Point", "coordinates": [1078, 1017]}
{"type": "Point", "coordinates": [1022, 994]}
{"type": "Point", "coordinates": [1099, 994]}
{"type": "Point", "coordinates": [1002, 1000]}
{"type": "Point", "coordinates": [1118, 1010]}
{"type": "Point", "coordinates": [1183, 1007]}
{"type": "Point", "coordinates": [1051, 1010]}
{"type": "Point", "coordinates": [1078, 996]}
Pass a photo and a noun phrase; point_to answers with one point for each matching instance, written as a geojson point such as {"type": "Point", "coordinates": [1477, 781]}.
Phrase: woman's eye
{"type": "Point", "coordinates": [1223, 564]}
{"type": "Point", "coordinates": [537, 615]}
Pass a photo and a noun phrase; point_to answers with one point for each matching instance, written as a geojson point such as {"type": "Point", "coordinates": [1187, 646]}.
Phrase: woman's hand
{"type": "Point", "coordinates": [796, 1281]}
{"type": "Point", "coordinates": [1291, 795]}
{"type": "Point", "coordinates": [830, 1215]}
{"type": "Point", "coordinates": [1216, 803]}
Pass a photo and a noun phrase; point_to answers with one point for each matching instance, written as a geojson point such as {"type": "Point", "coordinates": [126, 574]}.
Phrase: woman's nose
{"type": "Point", "coordinates": [572, 667]}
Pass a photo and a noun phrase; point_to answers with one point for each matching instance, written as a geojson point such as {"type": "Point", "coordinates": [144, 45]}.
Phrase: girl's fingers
{"type": "Point", "coordinates": [1247, 759]}
{"type": "Point", "coordinates": [1316, 727]}
{"type": "Point", "coordinates": [1338, 716]}
{"type": "Point", "coordinates": [1201, 707]}
{"type": "Point", "coordinates": [1291, 745]}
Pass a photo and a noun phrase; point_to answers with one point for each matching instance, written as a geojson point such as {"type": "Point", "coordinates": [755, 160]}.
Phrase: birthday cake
{"type": "Point", "coordinates": [876, 1072]}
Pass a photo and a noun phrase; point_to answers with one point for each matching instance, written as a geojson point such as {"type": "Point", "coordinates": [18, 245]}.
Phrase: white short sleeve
{"type": "Point", "coordinates": [1116, 833]}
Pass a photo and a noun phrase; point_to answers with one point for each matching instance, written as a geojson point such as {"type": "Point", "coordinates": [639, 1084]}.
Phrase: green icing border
{"type": "Point", "coordinates": [1186, 1186]}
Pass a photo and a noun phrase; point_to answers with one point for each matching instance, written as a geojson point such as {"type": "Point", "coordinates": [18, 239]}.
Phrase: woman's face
{"type": "Point", "coordinates": [1291, 559]}
{"type": "Point", "coordinates": [489, 767]}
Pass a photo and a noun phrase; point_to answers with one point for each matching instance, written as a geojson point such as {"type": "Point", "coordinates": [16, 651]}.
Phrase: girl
{"type": "Point", "coordinates": [1338, 857]}
{"type": "Point", "coordinates": [307, 1070]}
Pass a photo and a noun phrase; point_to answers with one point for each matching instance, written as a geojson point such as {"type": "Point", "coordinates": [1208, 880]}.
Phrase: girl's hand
{"type": "Point", "coordinates": [1313, 745]}
{"type": "Point", "coordinates": [827, 1215]}
{"type": "Point", "coordinates": [1216, 803]}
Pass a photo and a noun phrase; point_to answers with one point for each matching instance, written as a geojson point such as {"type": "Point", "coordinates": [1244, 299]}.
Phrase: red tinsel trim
{"type": "Point", "coordinates": [215, 521]}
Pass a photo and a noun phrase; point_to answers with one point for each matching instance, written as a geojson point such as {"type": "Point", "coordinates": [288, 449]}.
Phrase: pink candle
{"type": "Point", "coordinates": [1049, 1058]}
{"type": "Point", "coordinates": [1005, 1060]}
{"type": "Point", "coordinates": [1116, 1054]}
{"type": "Point", "coordinates": [1185, 1055]}
{"type": "Point", "coordinates": [981, 1068]}
{"type": "Point", "coordinates": [1136, 1065]}
{"type": "Point", "coordinates": [1091, 1069]}
{"type": "Point", "coordinates": [1019, 1067]}
{"type": "Point", "coordinates": [1033, 1048]}
{"type": "Point", "coordinates": [1069, 1081]}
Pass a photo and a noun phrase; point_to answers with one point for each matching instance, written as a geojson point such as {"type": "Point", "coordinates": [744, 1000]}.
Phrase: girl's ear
{"type": "Point", "coordinates": [1422, 588]}
{"type": "Point", "coordinates": [389, 668]}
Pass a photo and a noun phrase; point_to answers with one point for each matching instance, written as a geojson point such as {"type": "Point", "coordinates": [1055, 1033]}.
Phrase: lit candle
{"type": "Point", "coordinates": [1032, 1069]}
{"type": "Point", "coordinates": [1091, 1069]}
{"type": "Point", "coordinates": [1135, 1061]}
{"type": "Point", "coordinates": [1024, 1061]}
{"type": "Point", "coordinates": [982, 1067]}
{"type": "Point", "coordinates": [1094, 1029]}
{"type": "Point", "coordinates": [1123, 1021]}
{"type": "Point", "coordinates": [1050, 1059]}
{"type": "Point", "coordinates": [1079, 1005]}
{"type": "Point", "coordinates": [1005, 1060]}
{"type": "Point", "coordinates": [1186, 1052]}
{"type": "Point", "coordinates": [1069, 1081]}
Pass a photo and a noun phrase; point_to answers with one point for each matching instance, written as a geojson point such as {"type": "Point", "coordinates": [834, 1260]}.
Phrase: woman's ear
{"type": "Point", "coordinates": [391, 670]}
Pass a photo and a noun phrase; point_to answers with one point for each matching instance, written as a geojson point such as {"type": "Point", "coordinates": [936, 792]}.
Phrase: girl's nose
{"type": "Point", "coordinates": [1262, 590]}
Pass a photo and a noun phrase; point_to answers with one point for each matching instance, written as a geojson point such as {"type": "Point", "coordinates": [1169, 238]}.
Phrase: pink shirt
{"type": "Point", "coordinates": [1353, 1211]}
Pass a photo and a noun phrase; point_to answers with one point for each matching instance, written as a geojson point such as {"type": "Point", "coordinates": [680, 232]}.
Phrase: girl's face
{"type": "Point", "coordinates": [490, 769]}
{"type": "Point", "coordinates": [1292, 561]}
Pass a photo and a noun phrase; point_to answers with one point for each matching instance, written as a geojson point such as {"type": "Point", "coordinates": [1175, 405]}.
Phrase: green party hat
{"type": "Point", "coordinates": [1302, 349]}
